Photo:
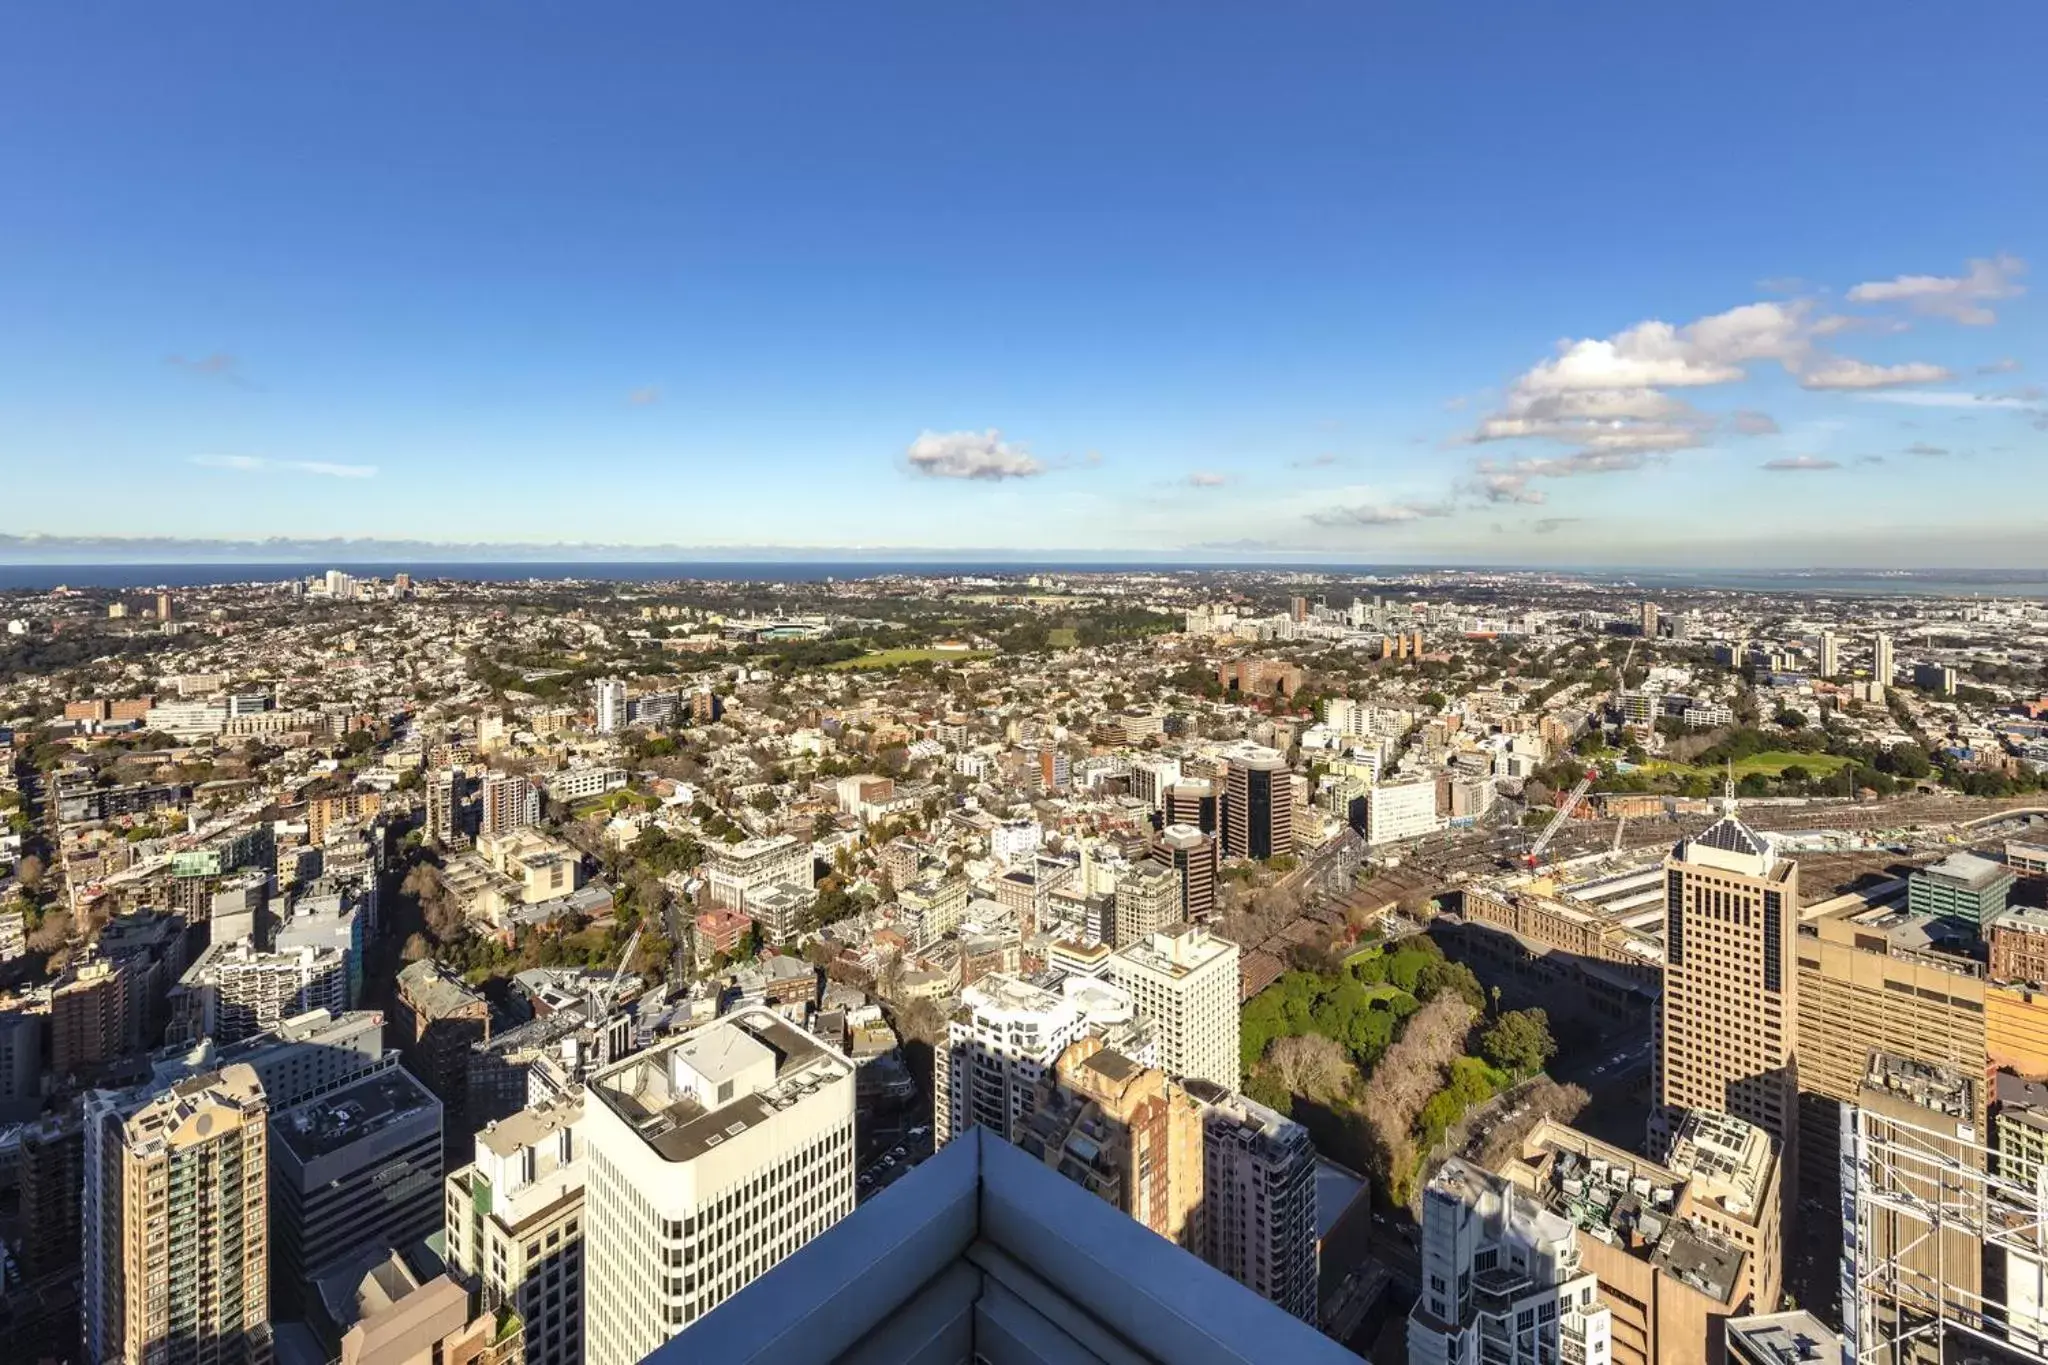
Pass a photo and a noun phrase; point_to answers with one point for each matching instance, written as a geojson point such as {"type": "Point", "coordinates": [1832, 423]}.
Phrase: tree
{"type": "Point", "coordinates": [1519, 1041]}
{"type": "Point", "coordinates": [30, 871]}
{"type": "Point", "coordinates": [1789, 719]}
{"type": "Point", "coordinates": [1309, 1065]}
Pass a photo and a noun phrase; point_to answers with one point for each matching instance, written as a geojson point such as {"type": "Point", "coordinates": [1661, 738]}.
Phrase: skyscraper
{"type": "Point", "coordinates": [711, 1158]}
{"type": "Point", "coordinates": [1881, 659]}
{"type": "Point", "coordinates": [1185, 984]}
{"type": "Point", "coordinates": [176, 1214]}
{"type": "Point", "coordinates": [1194, 803]}
{"type": "Point", "coordinates": [1258, 819]}
{"type": "Point", "coordinates": [1647, 620]}
{"type": "Point", "coordinates": [1830, 654]}
{"type": "Point", "coordinates": [611, 705]}
{"type": "Point", "coordinates": [1258, 1198]}
{"type": "Point", "coordinates": [1729, 1013]}
{"type": "Point", "coordinates": [1197, 857]}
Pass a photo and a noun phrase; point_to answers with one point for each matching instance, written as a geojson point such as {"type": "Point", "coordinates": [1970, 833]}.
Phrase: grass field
{"type": "Point", "coordinates": [894, 658]}
{"type": "Point", "coordinates": [1770, 763]}
{"type": "Point", "coordinates": [1063, 637]}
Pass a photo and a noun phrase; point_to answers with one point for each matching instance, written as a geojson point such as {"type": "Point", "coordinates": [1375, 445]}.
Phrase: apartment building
{"type": "Point", "coordinates": [711, 1158]}
{"type": "Point", "coordinates": [582, 782]}
{"type": "Point", "coordinates": [610, 705]}
{"type": "Point", "coordinates": [175, 1222]}
{"type": "Point", "coordinates": [507, 802]}
{"type": "Point", "coordinates": [1729, 1022]}
{"type": "Point", "coordinates": [1399, 810]}
{"type": "Point", "coordinates": [437, 1021]}
{"type": "Point", "coordinates": [1501, 1279]}
{"type": "Point", "coordinates": [1258, 1198]}
{"type": "Point", "coordinates": [732, 870]}
{"type": "Point", "coordinates": [1148, 899]}
{"type": "Point", "coordinates": [233, 991]}
{"type": "Point", "coordinates": [1123, 1132]}
{"type": "Point", "coordinates": [515, 1223]}
{"type": "Point", "coordinates": [1185, 983]}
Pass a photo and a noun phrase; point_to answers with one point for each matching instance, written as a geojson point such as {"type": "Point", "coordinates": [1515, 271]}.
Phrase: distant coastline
{"type": "Point", "coordinates": [1859, 582]}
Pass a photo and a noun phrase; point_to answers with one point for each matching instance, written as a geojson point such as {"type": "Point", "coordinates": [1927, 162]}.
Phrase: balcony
{"type": "Point", "coordinates": [982, 1254]}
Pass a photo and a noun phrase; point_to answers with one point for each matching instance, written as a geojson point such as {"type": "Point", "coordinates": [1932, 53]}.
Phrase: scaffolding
{"type": "Point", "coordinates": [1924, 1213]}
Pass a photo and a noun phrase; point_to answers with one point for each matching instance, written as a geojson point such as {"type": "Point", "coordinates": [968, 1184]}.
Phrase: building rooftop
{"type": "Point", "coordinates": [328, 1123]}
{"type": "Point", "coordinates": [1793, 1338]}
{"type": "Point", "coordinates": [1178, 950]}
{"type": "Point", "coordinates": [1968, 870]}
{"type": "Point", "coordinates": [1941, 1089]}
{"type": "Point", "coordinates": [435, 993]}
{"type": "Point", "coordinates": [767, 1063]}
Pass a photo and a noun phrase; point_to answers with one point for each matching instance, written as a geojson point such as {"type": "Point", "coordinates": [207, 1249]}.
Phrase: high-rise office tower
{"type": "Point", "coordinates": [1198, 858]}
{"type": "Point", "coordinates": [1647, 620]}
{"type": "Point", "coordinates": [1830, 654]}
{"type": "Point", "coordinates": [1501, 1279]}
{"type": "Point", "coordinates": [711, 1158]}
{"type": "Point", "coordinates": [1881, 659]}
{"type": "Point", "coordinates": [509, 801]}
{"type": "Point", "coordinates": [1196, 803]}
{"type": "Point", "coordinates": [1258, 820]}
{"type": "Point", "coordinates": [163, 606]}
{"type": "Point", "coordinates": [611, 705]}
{"type": "Point", "coordinates": [1125, 1133]}
{"type": "Point", "coordinates": [1148, 899]}
{"type": "Point", "coordinates": [1185, 984]}
{"type": "Point", "coordinates": [515, 1225]}
{"type": "Point", "coordinates": [1729, 1022]}
{"type": "Point", "coordinates": [1258, 1198]}
{"type": "Point", "coordinates": [353, 1171]}
{"type": "Point", "coordinates": [175, 1223]}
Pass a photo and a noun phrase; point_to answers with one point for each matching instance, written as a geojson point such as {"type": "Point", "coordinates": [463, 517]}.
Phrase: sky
{"type": "Point", "coordinates": [1494, 283]}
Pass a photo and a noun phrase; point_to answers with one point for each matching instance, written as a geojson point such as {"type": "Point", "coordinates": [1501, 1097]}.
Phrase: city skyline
{"type": "Point", "coordinates": [1386, 289]}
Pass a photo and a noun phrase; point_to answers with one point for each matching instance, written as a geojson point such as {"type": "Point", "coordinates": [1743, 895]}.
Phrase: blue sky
{"type": "Point", "coordinates": [1361, 281]}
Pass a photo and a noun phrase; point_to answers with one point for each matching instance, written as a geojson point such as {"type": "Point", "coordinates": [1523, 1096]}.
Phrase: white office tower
{"type": "Point", "coordinates": [1830, 654]}
{"type": "Point", "coordinates": [1258, 1198]}
{"type": "Point", "coordinates": [1501, 1282]}
{"type": "Point", "coordinates": [515, 1225]}
{"type": "Point", "coordinates": [1881, 668]}
{"type": "Point", "coordinates": [1400, 810]}
{"type": "Point", "coordinates": [1009, 1034]}
{"type": "Point", "coordinates": [1184, 981]}
{"type": "Point", "coordinates": [611, 705]}
{"type": "Point", "coordinates": [711, 1158]}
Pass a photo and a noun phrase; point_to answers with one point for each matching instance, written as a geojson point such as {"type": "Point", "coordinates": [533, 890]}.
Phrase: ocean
{"type": "Point", "coordinates": [1819, 582]}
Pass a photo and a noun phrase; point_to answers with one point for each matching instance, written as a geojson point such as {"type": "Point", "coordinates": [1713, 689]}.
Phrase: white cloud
{"type": "Point", "coordinates": [1930, 398]}
{"type": "Point", "coordinates": [1791, 463]}
{"type": "Point", "coordinates": [1382, 514]}
{"type": "Point", "coordinates": [971, 455]}
{"type": "Point", "coordinates": [257, 464]}
{"type": "Point", "coordinates": [1959, 298]}
{"type": "Point", "coordinates": [1749, 422]}
{"type": "Point", "coordinates": [1503, 485]}
{"type": "Point", "coordinates": [1843, 373]}
{"type": "Point", "coordinates": [1207, 478]}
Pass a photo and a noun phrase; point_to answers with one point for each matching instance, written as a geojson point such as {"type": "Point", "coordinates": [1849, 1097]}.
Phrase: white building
{"type": "Point", "coordinates": [1259, 1199]}
{"type": "Point", "coordinates": [1400, 810]}
{"type": "Point", "coordinates": [1185, 984]}
{"type": "Point", "coordinates": [1150, 778]}
{"type": "Point", "coordinates": [1010, 1038]}
{"type": "Point", "coordinates": [584, 781]}
{"type": "Point", "coordinates": [233, 991]}
{"type": "Point", "coordinates": [710, 1158]}
{"type": "Point", "coordinates": [732, 870]}
{"type": "Point", "coordinates": [187, 720]}
{"type": "Point", "coordinates": [1015, 841]}
{"type": "Point", "coordinates": [1501, 1281]}
{"type": "Point", "coordinates": [610, 704]}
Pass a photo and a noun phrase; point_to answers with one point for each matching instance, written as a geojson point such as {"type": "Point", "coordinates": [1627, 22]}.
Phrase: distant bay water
{"type": "Point", "coordinates": [1822, 582]}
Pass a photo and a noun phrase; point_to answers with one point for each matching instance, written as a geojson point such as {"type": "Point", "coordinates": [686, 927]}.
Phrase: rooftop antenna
{"type": "Point", "coordinates": [1728, 789]}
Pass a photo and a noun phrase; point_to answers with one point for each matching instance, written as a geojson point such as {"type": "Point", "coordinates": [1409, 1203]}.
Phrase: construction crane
{"type": "Point", "coordinates": [599, 1008]}
{"type": "Point", "coordinates": [1564, 813]}
{"type": "Point", "coordinates": [604, 996]}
